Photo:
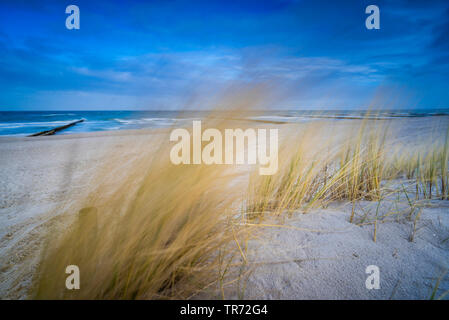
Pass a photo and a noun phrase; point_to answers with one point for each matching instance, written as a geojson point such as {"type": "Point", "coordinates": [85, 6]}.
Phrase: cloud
{"type": "Point", "coordinates": [109, 75]}
{"type": "Point", "coordinates": [157, 53]}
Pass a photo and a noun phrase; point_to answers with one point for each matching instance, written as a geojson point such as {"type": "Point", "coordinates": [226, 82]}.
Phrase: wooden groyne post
{"type": "Point", "coordinates": [53, 131]}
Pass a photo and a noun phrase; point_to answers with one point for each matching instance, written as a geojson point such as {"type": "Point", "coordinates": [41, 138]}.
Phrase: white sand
{"type": "Point", "coordinates": [298, 264]}
{"type": "Point", "coordinates": [41, 176]}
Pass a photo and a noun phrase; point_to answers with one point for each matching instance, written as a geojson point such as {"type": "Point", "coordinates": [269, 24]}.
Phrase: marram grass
{"type": "Point", "coordinates": [171, 232]}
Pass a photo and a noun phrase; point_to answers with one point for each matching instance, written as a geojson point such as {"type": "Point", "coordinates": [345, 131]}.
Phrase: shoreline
{"type": "Point", "coordinates": [262, 120]}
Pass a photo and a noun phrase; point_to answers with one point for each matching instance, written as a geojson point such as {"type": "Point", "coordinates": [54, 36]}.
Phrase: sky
{"type": "Point", "coordinates": [156, 55]}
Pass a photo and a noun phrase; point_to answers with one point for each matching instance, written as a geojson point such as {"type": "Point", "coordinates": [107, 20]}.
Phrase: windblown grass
{"type": "Point", "coordinates": [427, 165]}
{"type": "Point", "coordinates": [315, 170]}
{"type": "Point", "coordinates": [155, 236]}
{"type": "Point", "coordinates": [166, 231]}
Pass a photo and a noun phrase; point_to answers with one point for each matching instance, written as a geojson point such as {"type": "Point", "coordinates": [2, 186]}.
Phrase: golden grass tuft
{"type": "Point", "coordinates": [155, 236]}
{"type": "Point", "coordinates": [164, 231]}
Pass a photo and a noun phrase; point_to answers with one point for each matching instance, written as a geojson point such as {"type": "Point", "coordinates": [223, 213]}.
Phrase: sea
{"type": "Point", "coordinates": [23, 123]}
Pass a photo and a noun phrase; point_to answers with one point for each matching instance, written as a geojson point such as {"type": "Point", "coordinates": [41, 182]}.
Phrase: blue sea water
{"type": "Point", "coordinates": [22, 123]}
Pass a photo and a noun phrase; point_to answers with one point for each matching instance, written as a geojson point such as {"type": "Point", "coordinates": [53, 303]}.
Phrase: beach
{"type": "Point", "coordinates": [320, 255]}
{"type": "Point", "coordinates": [316, 255]}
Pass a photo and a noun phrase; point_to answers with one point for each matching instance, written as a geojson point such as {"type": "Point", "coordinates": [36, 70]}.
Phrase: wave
{"type": "Point", "coordinates": [58, 114]}
{"type": "Point", "coordinates": [280, 118]}
{"type": "Point", "coordinates": [145, 120]}
{"type": "Point", "coordinates": [11, 125]}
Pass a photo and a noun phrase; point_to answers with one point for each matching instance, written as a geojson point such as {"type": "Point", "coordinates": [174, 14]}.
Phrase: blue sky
{"type": "Point", "coordinates": [158, 54]}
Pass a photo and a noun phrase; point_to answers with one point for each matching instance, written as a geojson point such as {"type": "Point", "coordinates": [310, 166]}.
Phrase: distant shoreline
{"type": "Point", "coordinates": [17, 123]}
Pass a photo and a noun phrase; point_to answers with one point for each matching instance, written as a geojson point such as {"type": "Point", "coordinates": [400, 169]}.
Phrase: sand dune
{"type": "Point", "coordinates": [319, 255]}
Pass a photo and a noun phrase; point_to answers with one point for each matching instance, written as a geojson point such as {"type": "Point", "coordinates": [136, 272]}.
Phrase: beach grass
{"type": "Point", "coordinates": [156, 236]}
{"type": "Point", "coordinates": [172, 232]}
